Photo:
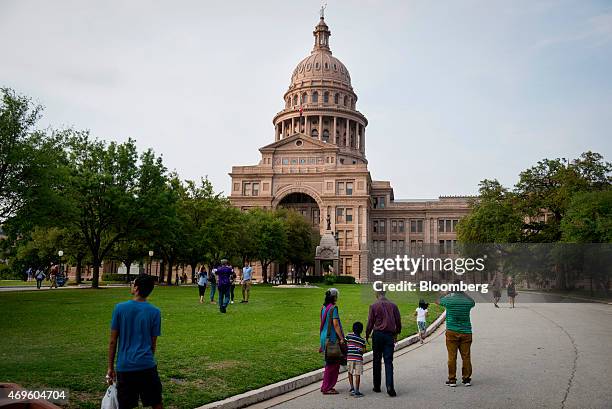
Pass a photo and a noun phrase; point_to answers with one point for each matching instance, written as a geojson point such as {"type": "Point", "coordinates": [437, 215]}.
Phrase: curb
{"type": "Point", "coordinates": [270, 391]}
{"type": "Point", "coordinates": [571, 297]}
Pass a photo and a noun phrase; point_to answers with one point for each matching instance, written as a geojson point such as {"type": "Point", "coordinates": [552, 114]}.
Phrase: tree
{"type": "Point", "coordinates": [29, 159]}
{"type": "Point", "coordinates": [588, 218]}
{"type": "Point", "coordinates": [270, 239]}
{"type": "Point", "coordinates": [110, 195]}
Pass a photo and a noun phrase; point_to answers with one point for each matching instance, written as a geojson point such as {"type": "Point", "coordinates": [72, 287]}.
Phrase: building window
{"type": "Point", "coordinates": [349, 188]}
{"type": "Point", "coordinates": [340, 188]}
{"type": "Point", "coordinates": [246, 189]}
{"type": "Point", "coordinates": [336, 99]}
{"type": "Point", "coordinates": [295, 99]}
{"type": "Point", "coordinates": [349, 215]}
{"type": "Point", "coordinates": [341, 239]}
{"type": "Point", "coordinates": [348, 265]}
{"type": "Point", "coordinates": [304, 98]}
{"type": "Point", "coordinates": [340, 215]}
{"type": "Point", "coordinates": [345, 100]}
{"type": "Point", "coordinates": [325, 135]}
{"type": "Point", "coordinates": [325, 96]}
{"type": "Point", "coordinates": [379, 202]}
{"type": "Point", "coordinates": [400, 226]}
{"type": "Point", "coordinates": [447, 226]}
{"type": "Point", "coordinates": [314, 133]}
{"type": "Point", "coordinates": [393, 226]}
{"type": "Point", "coordinates": [349, 238]}
{"type": "Point", "coordinates": [285, 161]}
{"type": "Point", "coordinates": [315, 97]}
{"type": "Point", "coordinates": [416, 226]}
{"type": "Point", "coordinates": [255, 189]}
{"type": "Point", "coordinates": [375, 227]}
{"type": "Point", "coordinates": [447, 246]}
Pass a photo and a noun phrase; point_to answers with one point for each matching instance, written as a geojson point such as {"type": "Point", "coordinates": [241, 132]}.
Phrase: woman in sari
{"type": "Point", "coordinates": [332, 366]}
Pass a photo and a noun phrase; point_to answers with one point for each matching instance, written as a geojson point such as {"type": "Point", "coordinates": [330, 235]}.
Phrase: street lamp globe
{"type": "Point", "coordinates": [150, 253]}
{"type": "Point", "coordinates": [60, 253]}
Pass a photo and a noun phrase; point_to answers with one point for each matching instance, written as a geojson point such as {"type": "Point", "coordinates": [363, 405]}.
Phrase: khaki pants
{"type": "Point", "coordinates": [462, 342]}
{"type": "Point", "coordinates": [246, 289]}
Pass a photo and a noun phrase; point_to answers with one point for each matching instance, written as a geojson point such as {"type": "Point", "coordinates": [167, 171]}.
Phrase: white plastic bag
{"type": "Point", "coordinates": [110, 398]}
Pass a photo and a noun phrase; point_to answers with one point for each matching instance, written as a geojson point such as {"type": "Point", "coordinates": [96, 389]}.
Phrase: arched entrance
{"type": "Point", "coordinates": [304, 204]}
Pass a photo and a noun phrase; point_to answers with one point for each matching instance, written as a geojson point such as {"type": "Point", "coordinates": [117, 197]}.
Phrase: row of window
{"type": "Point", "coordinates": [379, 202]}
{"type": "Point", "coordinates": [397, 226]}
{"type": "Point", "coordinates": [298, 161]}
{"type": "Point", "coordinates": [314, 98]}
{"type": "Point", "coordinates": [345, 239]}
{"type": "Point", "coordinates": [398, 246]}
{"type": "Point", "coordinates": [447, 226]}
{"type": "Point", "coordinates": [448, 246]}
{"type": "Point", "coordinates": [250, 189]}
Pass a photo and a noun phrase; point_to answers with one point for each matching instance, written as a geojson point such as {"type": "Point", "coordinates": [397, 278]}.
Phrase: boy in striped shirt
{"type": "Point", "coordinates": [354, 357]}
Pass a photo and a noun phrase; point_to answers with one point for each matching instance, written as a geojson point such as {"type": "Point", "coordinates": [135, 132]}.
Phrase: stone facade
{"type": "Point", "coordinates": [317, 165]}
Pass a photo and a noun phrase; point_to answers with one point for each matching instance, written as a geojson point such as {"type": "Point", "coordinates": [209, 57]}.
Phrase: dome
{"type": "Point", "coordinates": [320, 64]}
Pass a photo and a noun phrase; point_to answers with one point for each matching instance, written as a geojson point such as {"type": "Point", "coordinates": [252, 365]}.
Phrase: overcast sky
{"type": "Point", "coordinates": [454, 91]}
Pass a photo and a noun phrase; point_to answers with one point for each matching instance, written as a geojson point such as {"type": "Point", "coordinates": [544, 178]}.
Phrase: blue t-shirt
{"type": "Point", "coordinates": [247, 273]}
{"type": "Point", "coordinates": [333, 334]}
{"type": "Point", "coordinates": [136, 322]}
{"type": "Point", "coordinates": [224, 273]}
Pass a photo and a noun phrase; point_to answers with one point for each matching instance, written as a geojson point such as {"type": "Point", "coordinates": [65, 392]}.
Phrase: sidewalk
{"type": "Point", "coordinates": [534, 356]}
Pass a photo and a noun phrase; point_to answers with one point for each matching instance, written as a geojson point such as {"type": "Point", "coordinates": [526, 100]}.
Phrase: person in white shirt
{"type": "Point", "coordinates": [421, 316]}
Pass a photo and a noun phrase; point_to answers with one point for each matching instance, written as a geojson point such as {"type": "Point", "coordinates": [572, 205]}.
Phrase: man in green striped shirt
{"type": "Point", "coordinates": [458, 335]}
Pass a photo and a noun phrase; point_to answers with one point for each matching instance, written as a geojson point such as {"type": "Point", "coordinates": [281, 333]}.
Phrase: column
{"type": "Point", "coordinates": [292, 126]}
{"type": "Point", "coordinates": [277, 132]}
{"type": "Point", "coordinates": [348, 132]}
{"type": "Point", "coordinates": [334, 134]}
{"type": "Point", "coordinates": [320, 127]}
{"type": "Point", "coordinates": [357, 139]}
{"type": "Point", "coordinates": [362, 144]}
{"type": "Point", "coordinates": [283, 128]}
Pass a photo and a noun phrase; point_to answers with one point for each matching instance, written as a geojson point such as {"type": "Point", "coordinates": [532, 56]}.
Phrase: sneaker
{"type": "Point", "coordinates": [358, 394]}
{"type": "Point", "coordinates": [231, 302]}
{"type": "Point", "coordinates": [452, 384]}
{"type": "Point", "coordinates": [242, 302]}
{"type": "Point", "coordinates": [392, 393]}
{"type": "Point", "coordinates": [467, 382]}
{"type": "Point", "coordinates": [352, 392]}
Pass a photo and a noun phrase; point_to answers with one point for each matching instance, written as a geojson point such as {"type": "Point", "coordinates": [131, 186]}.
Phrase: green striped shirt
{"type": "Point", "coordinates": [458, 308]}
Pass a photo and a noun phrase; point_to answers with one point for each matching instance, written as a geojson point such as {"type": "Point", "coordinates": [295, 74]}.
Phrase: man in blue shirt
{"type": "Point", "coordinates": [247, 275]}
{"type": "Point", "coordinates": [135, 326]}
{"type": "Point", "coordinates": [223, 284]}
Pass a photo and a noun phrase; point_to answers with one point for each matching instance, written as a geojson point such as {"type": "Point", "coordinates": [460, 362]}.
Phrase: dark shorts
{"type": "Point", "coordinates": [496, 293]}
{"type": "Point", "coordinates": [201, 290]}
{"type": "Point", "coordinates": [144, 385]}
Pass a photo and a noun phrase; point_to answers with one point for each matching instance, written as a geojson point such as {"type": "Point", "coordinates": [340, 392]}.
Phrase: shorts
{"type": "Point", "coordinates": [144, 385]}
{"type": "Point", "coordinates": [422, 325]}
{"type": "Point", "coordinates": [496, 293]}
{"type": "Point", "coordinates": [202, 289]}
{"type": "Point", "coordinates": [355, 367]}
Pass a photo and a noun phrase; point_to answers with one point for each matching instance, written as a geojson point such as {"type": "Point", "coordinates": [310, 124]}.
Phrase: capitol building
{"type": "Point", "coordinates": [317, 166]}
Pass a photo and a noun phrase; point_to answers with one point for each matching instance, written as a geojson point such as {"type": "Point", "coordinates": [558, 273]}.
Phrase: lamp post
{"type": "Point", "coordinates": [150, 260]}
{"type": "Point", "coordinates": [60, 254]}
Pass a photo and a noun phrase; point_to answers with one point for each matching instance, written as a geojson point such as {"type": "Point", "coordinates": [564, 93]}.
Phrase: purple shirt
{"type": "Point", "coordinates": [224, 273]}
{"type": "Point", "coordinates": [384, 316]}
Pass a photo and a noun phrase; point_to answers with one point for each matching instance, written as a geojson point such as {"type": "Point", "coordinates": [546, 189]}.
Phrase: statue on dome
{"type": "Point", "coordinates": [322, 12]}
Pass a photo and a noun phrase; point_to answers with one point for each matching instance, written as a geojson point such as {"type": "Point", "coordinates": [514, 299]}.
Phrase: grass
{"type": "Point", "coordinates": [60, 339]}
{"type": "Point", "coordinates": [46, 283]}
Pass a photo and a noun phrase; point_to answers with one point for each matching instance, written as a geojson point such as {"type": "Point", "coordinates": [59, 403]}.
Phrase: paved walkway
{"type": "Point", "coordinates": [553, 355]}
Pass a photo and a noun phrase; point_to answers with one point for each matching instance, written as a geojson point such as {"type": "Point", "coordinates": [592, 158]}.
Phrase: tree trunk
{"type": "Point", "coordinates": [128, 265]}
{"type": "Point", "coordinates": [264, 272]}
{"type": "Point", "coordinates": [193, 273]}
{"type": "Point", "coordinates": [79, 267]}
{"type": "Point", "coordinates": [162, 271]}
{"type": "Point", "coordinates": [170, 267]}
{"type": "Point", "coordinates": [95, 279]}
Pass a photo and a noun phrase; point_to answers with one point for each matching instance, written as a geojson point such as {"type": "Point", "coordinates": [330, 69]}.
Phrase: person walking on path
{"type": "Point", "coordinates": [135, 326]}
{"type": "Point", "coordinates": [202, 282]}
{"type": "Point", "coordinates": [496, 286]}
{"type": "Point", "coordinates": [330, 329]}
{"type": "Point", "coordinates": [40, 276]}
{"type": "Point", "coordinates": [421, 317]}
{"type": "Point", "coordinates": [53, 276]}
{"type": "Point", "coordinates": [224, 283]}
{"type": "Point", "coordinates": [247, 275]}
{"type": "Point", "coordinates": [511, 291]}
{"type": "Point", "coordinates": [384, 324]}
{"type": "Point", "coordinates": [458, 335]}
{"type": "Point", "coordinates": [356, 346]}
{"type": "Point", "coordinates": [212, 281]}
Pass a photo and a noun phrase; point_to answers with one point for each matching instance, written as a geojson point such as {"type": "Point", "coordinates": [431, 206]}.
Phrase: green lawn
{"type": "Point", "coordinates": [60, 339]}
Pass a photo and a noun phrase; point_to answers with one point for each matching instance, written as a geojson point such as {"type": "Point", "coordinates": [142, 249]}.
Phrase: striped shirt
{"type": "Point", "coordinates": [458, 306]}
{"type": "Point", "coordinates": [356, 346]}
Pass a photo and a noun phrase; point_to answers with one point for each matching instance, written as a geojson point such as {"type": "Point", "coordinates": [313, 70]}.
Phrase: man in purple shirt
{"type": "Point", "coordinates": [384, 324]}
{"type": "Point", "coordinates": [224, 284]}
